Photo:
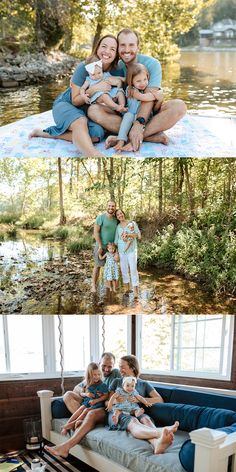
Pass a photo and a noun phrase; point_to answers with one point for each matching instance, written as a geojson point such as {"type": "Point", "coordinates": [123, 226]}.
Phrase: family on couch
{"type": "Point", "coordinates": [85, 122]}
{"type": "Point", "coordinates": [116, 241]}
{"type": "Point", "coordinates": [110, 381]}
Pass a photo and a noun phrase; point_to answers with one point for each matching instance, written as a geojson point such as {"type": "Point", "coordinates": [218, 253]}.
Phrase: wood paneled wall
{"type": "Point", "coordinates": [19, 400]}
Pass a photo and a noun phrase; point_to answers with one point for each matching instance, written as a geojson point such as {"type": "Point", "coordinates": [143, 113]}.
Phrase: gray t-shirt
{"type": "Point", "coordinates": [143, 387]}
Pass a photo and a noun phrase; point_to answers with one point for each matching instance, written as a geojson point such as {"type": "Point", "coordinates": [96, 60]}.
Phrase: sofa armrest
{"type": "Point", "coordinates": [46, 397]}
{"type": "Point", "coordinates": [212, 449]}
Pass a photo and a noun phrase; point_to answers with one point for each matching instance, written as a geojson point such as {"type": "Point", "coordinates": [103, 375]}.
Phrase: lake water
{"type": "Point", "coordinates": [40, 276]}
{"type": "Point", "coordinates": [205, 80]}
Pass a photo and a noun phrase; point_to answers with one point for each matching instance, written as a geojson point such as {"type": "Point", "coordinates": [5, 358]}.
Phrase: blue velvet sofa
{"type": "Point", "coordinates": [194, 408]}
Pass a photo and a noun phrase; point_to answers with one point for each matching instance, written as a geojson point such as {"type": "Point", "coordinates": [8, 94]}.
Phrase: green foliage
{"type": "Point", "coordinates": [2, 236]}
{"type": "Point", "coordinates": [9, 218]}
{"type": "Point", "coordinates": [160, 251]}
{"type": "Point", "coordinates": [47, 235]}
{"type": "Point", "coordinates": [61, 233]}
{"type": "Point", "coordinates": [33, 222]}
{"type": "Point", "coordinates": [52, 23]}
{"type": "Point", "coordinates": [81, 244]}
{"type": "Point", "coordinates": [200, 249]}
{"type": "Point", "coordinates": [12, 232]}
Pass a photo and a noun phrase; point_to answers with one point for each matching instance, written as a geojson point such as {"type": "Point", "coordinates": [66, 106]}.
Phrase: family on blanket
{"type": "Point", "coordinates": [116, 241]}
{"type": "Point", "coordinates": [125, 392]}
{"type": "Point", "coordinates": [115, 92]}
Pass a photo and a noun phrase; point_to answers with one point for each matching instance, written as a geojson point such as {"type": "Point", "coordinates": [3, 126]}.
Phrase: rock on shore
{"type": "Point", "coordinates": [19, 69]}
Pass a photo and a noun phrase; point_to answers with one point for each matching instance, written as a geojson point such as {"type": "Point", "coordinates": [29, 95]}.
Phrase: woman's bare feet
{"type": "Point", "coordinates": [61, 450]}
{"type": "Point", "coordinates": [39, 133]}
{"type": "Point", "coordinates": [161, 444]}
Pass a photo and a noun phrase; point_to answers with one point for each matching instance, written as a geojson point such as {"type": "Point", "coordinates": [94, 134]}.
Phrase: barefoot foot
{"type": "Point", "coordinates": [39, 133]}
{"type": "Point", "coordinates": [173, 428]}
{"type": "Point", "coordinates": [61, 450]}
{"type": "Point", "coordinates": [110, 141]}
{"type": "Point", "coordinates": [162, 443]}
{"type": "Point", "coordinates": [158, 138]}
{"type": "Point", "coordinates": [114, 419]}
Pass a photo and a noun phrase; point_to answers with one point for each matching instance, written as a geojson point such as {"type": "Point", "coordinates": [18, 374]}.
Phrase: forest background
{"type": "Point", "coordinates": [72, 26]}
{"type": "Point", "coordinates": [185, 208]}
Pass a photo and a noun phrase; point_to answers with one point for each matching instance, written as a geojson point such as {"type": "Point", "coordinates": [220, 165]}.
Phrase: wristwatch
{"type": "Point", "coordinates": [141, 120]}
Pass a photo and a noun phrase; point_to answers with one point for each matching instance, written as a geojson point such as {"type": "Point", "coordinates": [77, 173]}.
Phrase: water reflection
{"type": "Point", "coordinates": [205, 80]}
{"type": "Point", "coordinates": [40, 277]}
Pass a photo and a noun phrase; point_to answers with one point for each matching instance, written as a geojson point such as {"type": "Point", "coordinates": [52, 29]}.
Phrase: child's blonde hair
{"type": "Point", "coordinates": [89, 373]}
{"type": "Point", "coordinates": [133, 70]}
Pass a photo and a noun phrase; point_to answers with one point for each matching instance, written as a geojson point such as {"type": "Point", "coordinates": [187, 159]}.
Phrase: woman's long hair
{"type": "Point", "coordinates": [89, 373]}
{"type": "Point", "coordinates": [93, 56]}
{"type": "Point", "coordinates": [133, 363]}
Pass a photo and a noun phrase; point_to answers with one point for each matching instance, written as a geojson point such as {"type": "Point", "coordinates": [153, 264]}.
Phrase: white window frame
{"type": "Point", "coordinates": [187, 373]}
{"type": "Point", "coordinates": [49, 348]}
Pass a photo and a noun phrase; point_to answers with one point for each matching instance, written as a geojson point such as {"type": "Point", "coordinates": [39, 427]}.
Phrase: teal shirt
{"type": "Point", "coordinates": [122, 244]}
{"type": "Point", "coordinates": [153, 66]}
{"type": "Point", "coordinates": [107, 228]}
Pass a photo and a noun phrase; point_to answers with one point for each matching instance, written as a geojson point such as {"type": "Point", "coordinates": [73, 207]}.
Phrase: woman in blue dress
{"type": "Point", "coordinates": [70, 108]}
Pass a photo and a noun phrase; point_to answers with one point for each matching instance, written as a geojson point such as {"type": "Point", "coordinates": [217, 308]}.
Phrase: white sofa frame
{"type": "Point", "coordinates": [212, 448]}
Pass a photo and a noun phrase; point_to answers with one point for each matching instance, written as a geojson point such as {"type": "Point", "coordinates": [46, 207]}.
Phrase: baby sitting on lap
{"type": "Point", "coordinates": [111, 98]}
{"type": "Point", "coordinates": [127, 406]}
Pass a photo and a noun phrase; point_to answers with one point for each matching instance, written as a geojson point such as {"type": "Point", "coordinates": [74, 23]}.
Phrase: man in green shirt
{"type": "Point", "coordinates": [104, 233]}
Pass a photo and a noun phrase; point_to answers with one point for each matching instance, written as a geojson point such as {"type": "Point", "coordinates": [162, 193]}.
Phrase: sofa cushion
{"type": "Point", "coordinates": [194, 397]}
{"type": "Point", "coordinates": [190, 417]}
{"type": "Point", "coordinates": [165, 414]}
{"type": "Point", "coordinates": [134, 454]}
{"type": "Point", "coordinates": [59, 409]}
{"type": "Point", "coordinates": [186, 454]}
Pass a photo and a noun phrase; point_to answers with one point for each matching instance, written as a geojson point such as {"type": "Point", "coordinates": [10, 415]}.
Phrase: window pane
{"type": "Point", "coordinates": [76, 342]}
{"type": "Point", "coordinates": [2, 350]}
{"type": "Point", "coordinates": [156, 343]}
{"type": "Point", "coordinates": [114, 333]}
{"type": "Point", "coordinates": [187, 345]}
{"type": "Point", "coordinates": [25, 343]}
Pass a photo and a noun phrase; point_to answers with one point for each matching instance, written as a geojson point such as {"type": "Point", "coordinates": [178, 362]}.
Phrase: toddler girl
{"type": "Point", "coordinates": [96, 75]}
{"type": "Point", "coordinates": [126, 407]}
{"type": "Point", "coordinates": [137, 81]}
{"type": "Point", "coordinates": [94, 395]}
{"type": "Point", "coordinates": [111, 270]}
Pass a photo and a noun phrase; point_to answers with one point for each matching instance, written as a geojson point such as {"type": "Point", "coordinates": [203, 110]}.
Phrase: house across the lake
{"type": "Point", "coordinates": [222, 33]}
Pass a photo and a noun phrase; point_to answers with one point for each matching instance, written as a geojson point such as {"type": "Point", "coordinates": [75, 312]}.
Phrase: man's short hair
{"type": "Point", "coordinates": [128, 31]}
{"type": "Point", "coordinates": [111, 200]}
{"type": "Point", "coordinates": [108, 354]}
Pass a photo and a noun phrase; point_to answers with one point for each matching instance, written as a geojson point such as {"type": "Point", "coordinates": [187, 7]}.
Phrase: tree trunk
{"type": "Point", "coordinates": [160, 191]}
{"type": "Point", "coordinates": [62, 212]}
{"type": "Point", "coordinates": [53, 24]}
{"type": "Point", "coordinates": [97, 35]}
{"type": "Point", "coordinates": [189, 187]}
